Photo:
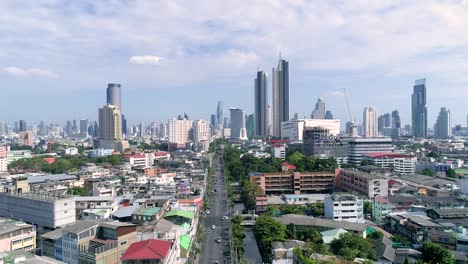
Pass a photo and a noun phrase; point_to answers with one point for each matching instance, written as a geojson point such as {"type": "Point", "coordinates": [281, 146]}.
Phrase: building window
{"type": "Point", "coordinates": [65, 211]}
{"type": "Point", "coordinates": [123, 243]}
{"type": "Point", "coordinates": [65, 204]}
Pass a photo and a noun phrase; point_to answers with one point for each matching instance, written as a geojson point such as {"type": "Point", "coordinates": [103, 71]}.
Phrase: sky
{"type": "Point", "coordinates": [56, 57]}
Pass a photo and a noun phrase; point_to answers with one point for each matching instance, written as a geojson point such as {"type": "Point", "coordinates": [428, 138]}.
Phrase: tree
{"type": "Point", "coordinates": [267, 230]}
{"type": "Point", "coordinates": [375, 235]}
{"type": "Point", "coordinates": [292, 209]}
{"type": "Point", "coordinates": [350, 246]}
{"type": "Point", "coordinates": [309, 234]}
{"type": "Point", "coordinates": [433, 154]}
{"type": "Point", "coordinates": [317, 209]}
{"type": "Point", "coordinates": [249, 192]}
{"type": "Point", "coordinates": [451, 173]}
{"type": "Point", "coordinates": [434, 254]}
{"type": "Point", "coordinates": [367, 207]}
{"type": "Point", "coordinates": [428, 172]}
{"type": "Point", "coordinates": [291, 231]}
{"type": "Point", "coordinates": [76, 190]}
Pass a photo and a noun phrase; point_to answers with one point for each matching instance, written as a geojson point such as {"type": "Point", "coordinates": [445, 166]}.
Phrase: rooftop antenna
{"type": "Point", "coordinates": [353, 122]}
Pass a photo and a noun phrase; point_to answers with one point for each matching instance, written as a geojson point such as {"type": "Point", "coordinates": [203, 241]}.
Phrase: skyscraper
{"type": "Point", "coordinates": [114, 96]}
{"type": "Point", "coordinates": [201, 131]}
{"type": "Point", "coordinates": [180, 131]}
{"type": "Point", "coordinates": [219, 113]}
{"type": "Point", "coordinates": [369, 123]}
{"type": "Point", "coordinates": [396, 122]}
{"type": "Point", "coordinates": [269, 118]}
{"type": "Point", "coordinates": [328, 115]}
{"type": "Point", "coordinates": [250, 125]}
{"type": "Point", "coordinates": [419, 109]}
{"type": "Point", "coordinates": [319, 111]}
{"type": "Point", "coordinates": [2, 128]}
{"type": "Point", "coordinates": [443, 125]}
{"type": "Point", "coordinates": [124, 125]}
{"type": "Point", "coordinates": [238, 130]}
{"type": "Point", "coordinates": [261, 103]}
{"type": "Point", "coordinates": [83, 128]}
{"type": "Point", "coordinates": [213, 120]}
{"type": "Point", "coordinates": [280, 96]}
{"type": "Point", "coordinates": [110, 123]}
{"type": "Point", "coordinates": [22, 126]}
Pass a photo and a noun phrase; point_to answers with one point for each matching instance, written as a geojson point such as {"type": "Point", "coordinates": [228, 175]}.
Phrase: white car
{"type": "Point", "coordinates": [225, 217]}
{"type": "Point", "coordinates": [213, 227]}
{"type": "Point", "coordinates": [207, 212]}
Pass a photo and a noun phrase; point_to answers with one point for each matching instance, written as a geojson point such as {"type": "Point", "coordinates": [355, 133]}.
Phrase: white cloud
{"type": "Point", "coordinates": [146, 59]}
{"type": "Point", "coordinates": [33, 72]}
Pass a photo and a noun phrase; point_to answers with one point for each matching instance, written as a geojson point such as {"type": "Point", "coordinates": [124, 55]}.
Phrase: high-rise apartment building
{"type": "Point", "coordinates": [110, 123]}
{"type": "Point", "coordinates": [269, 119]}
{"type": "Point", "coordinates": [319, 111]}
{"type": "Point", "coordinates": [2, 128]}
{"type": "Point", "coordinates": [201, 131]}
{"type": "Point", "coordinates": [443, 125]}
{"type": "Point", "coordinates": [280, 96]}
{"type": "Point", "coordinates": [370, 123]}
{"type": "Point", "coordinates": [238, 129]}
{"type": "Point", "coordinates": [162, 130]}
{"type": "Point", "coordinates": [180, 131]}
{"type": "Point", "coordinates": [261, 103]}
{"type": "Point", "coordinates": [219, 113]}
{"type": "Point", "coordinates": [419, 109]}
{"type": "Point", "coordinates": [114, 96]}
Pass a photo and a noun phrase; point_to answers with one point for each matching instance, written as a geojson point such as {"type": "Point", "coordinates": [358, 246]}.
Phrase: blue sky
{"type": "Point", "coordinates": [56, 57]}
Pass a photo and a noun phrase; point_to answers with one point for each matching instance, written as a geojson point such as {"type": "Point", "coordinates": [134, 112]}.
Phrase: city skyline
{"type": "Point", "coordinates": [70, 69]}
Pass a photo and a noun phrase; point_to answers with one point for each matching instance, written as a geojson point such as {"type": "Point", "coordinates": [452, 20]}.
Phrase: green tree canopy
{"type": "Point", "coordinates": [435, 254]}
{"type": "Point", "coordinates": [350, 246]}
{"type": "Point", "coordinates": [451, 173]}
{"type": "Point", "coordinates": [428, 172]}
{"type": "Point", "coordinates": [249, 193]}
{"type": "Point", "coordinates": [267, 230]}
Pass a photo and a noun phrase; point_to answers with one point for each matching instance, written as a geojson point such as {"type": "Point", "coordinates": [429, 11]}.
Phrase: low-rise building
{"type": "Point", "coordinates": [401, 163]}
{"type": "Point", "coordinates": [380, 208]}
{"type": "Point", "coordinates": [16, 235]}
{"type": "Point", "coordinates": [411, 226]}
{"type": "Point", "coordinates": [111, 241]}
{"type": "Point", "coordinates": [294, 182]}
{"type": "Point", "coordinates": [367, 184]}
{"type": "Point", "coordinates": [284, 250]}
{"type": "Point", "coordinates": [344, 207]}
{"type": "Point", "coordinates": [150, 251]}
{"type": "Point", "coordinates": [358, 147]}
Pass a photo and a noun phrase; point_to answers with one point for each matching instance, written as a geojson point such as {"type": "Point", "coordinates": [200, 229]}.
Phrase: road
{"type": "Point", "coordinates": [212, 251]}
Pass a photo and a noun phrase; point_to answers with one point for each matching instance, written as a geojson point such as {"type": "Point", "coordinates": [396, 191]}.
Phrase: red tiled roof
{"type": "Point", "coordinates": [392, 182]}
{"type": "Point", "coordinates": [273, 141]}
{"type": "Point", "coordinates": [381, 199]}
{"type": "Point", "coordinates": [161, 153]}
{"type": "Point", "coordinates": [290, 166]}
{"type": "Point", "coordinates": [147, 250]}
{"type": "Point", "coordinates": [135, 156]}
{"type": "Point", "coordinates": [387, 154]}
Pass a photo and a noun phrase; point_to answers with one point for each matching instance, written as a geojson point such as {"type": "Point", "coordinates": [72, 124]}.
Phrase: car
{"type": "Point", "coordinates": [208, 212]}
{"type": "Point", "coordinates": [225, 217]}
{"type": "Point", "coordinates": [213, 227]}
{"type": "Point", "coordinates": [218, 240]}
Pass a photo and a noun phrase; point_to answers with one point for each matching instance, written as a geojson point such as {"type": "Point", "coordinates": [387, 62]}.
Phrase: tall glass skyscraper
{"type": "Point", "coordinates": [419, 109]}
{"type": "Point", "coordinates": [443, 125]}
{"type": "Point", "coordinates": [219, 113]}
{"type": "Point", "coordinates": [261, 103]}
{"type": "Point", "coordinates": [113, 95]}
{"type": "Point", "coordinates": [280, 96]}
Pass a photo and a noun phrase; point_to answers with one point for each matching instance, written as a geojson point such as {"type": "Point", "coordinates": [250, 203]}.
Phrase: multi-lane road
{"type": "Point", "coordinates": [214, 225]}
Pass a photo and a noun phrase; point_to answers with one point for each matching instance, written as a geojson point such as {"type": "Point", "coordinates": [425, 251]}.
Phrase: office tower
{"type": "Point", "coordinates": [269, 127]}
{"type": "Point", "coordinates": [280, 96]}
{"type": "Point", "coordinates": [22, 126]}
{"type": "Point", "coordinates": [213, 120]}
{"type": "Point", "coordinates": [387, 120]}
{"type": "Point", "coordinates": [296, 116]}
{"type": "Point", "coordinates": [261, 102]}
{"type": "Point", "coordinates": [419, 109]}
{"type": "Point", "coordinates": [96, 130]}
{"type": "Point", "coordinates": [380, 124]}
{"type": "Point", "coordinates": [369, 123]}
{"type": "Point", "coordinates": [16, 127]}
{"type": "Point", "coordinates": [141, 130]}
{"type": "Point", "coordinates": [114, 95]}
{"type": "Point", "coordinates": [179, 131]}
{"type": "Point", "coordinates": [84, 128]}
{"type": "Point", "coordinates": [124, 125]}
{"type": "Point", "coordinates": [69, 128]}
{"type": "Point", "coordinates": [110, 123]}
{"type": "Point", "coordinates": [2, 128]}
{"type": "Point", "coordinates": [201, 131]}
{"type": "Point", "coordinates": [219, 113]}
{"type": "Point", "coordinates": [250, 125]}
{"type": "Point", "coordinates": [328, 115]}
{"type": "Point", "coordinates": [227, 122]}
{"type": "Point", "coordinates": [75, 127]}
{"type": "Point", "coordinates": [348, 126]}
{"type": "Point", "coordinates": [396, 122]}
{"type": "Point", "coordinates": [162, 130]}
{"type": "Point", "coordinates": [238, 130]}
{"type": "Point", "coordinates": [319, 111]}
{"type": "Point", "coordinates": [443, 125]}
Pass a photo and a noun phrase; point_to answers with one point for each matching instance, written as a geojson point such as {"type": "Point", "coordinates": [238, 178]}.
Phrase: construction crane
{"type": "Point", "coordinates": [353, 128]}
